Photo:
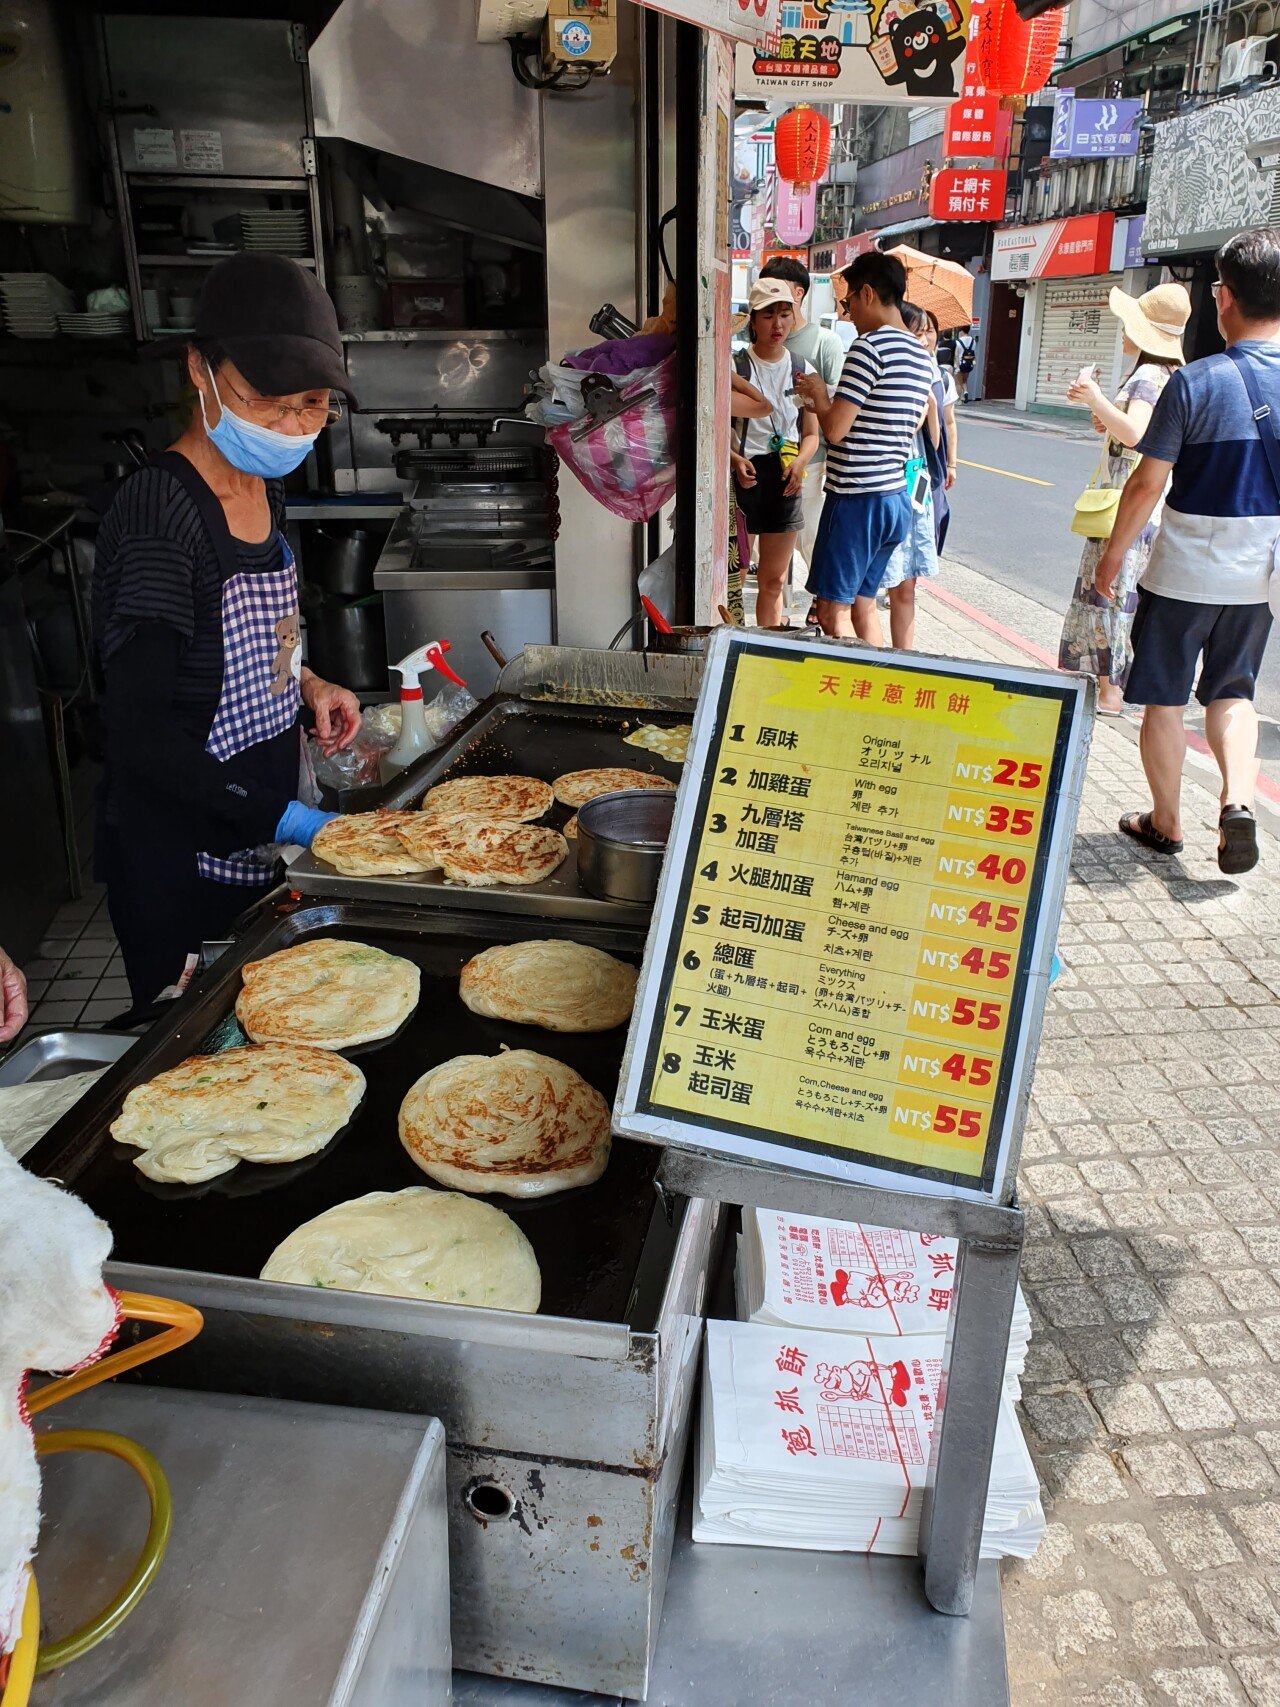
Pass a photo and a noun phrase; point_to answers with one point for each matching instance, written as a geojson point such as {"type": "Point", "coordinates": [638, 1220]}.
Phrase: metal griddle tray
{"type": "Point", "coordinates": [601, 1249]}
{"type": "Point", "coordinates": [509, 735]}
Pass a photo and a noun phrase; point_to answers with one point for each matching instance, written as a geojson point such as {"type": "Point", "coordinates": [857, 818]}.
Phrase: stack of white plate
{"type": "Point", "coordinates": [283, 231]}
{"type": "Point", "coordinates": [94, 325]}
{"type": "Point", "coordinates": [31, 304]}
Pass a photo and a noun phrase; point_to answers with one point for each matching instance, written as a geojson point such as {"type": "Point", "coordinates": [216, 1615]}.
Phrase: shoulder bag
{"type": "Point", "coordinates": [1094, 515]}
{"type": "Point", "coordinates": [1264, 422]}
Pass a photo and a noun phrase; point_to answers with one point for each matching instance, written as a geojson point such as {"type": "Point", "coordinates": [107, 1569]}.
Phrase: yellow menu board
{"type": "Point", "coordinates": [858, 911]}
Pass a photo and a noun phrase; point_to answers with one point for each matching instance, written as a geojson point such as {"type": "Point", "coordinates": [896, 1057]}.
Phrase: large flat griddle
{"type": "Point", "coordinates": [529, 737]}
{"type": "Point", "coordinates": [602, 1248]}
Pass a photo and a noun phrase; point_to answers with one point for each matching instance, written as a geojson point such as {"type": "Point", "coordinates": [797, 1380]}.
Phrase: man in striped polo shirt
{"type": "Point", "coordinates": [870, 426]}
{"type": "Point", "coordinates": [1205, 594]}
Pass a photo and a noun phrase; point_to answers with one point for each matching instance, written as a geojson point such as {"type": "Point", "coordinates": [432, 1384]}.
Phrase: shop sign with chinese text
{"type": "Point", "coordinates": [1061, 249]}
{"type": "Point", "coordinates": [849, 956]}
{"type": "Point", "coordinates": [975, 194]}
{"type": "Point", "coordinates": [881, 51]}
{"type": "Point", "coordinates": [978, 128]}
{"type": "Point", "coordinates": [1085, 130]}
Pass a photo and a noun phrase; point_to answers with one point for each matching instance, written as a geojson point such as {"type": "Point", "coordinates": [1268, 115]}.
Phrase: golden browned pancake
{"type": "Point", "coordinates": [563, 986]}
{"type": "Point", "coordinates": [416, 1243]}
{"type": "Point", "coordinates": [570, 830]}
{"type": "Point", "coordinates": [521, 797]}
{"type": "Point", "coordinates": [482, 854]}
{"type": "Point", "coordinates": [365, 844]}
{"type": "Point", "coordinates": [426, 838]}
{"type": "Point", "coordinates": [273, 1102]}
{"type": "Point", "coordinates": [328, 993]}
{"type": "Point", "coordinates": [669, 744]}
{"type": "Point", "coordinates": [516, 1122]}
{"type": "Point", "coordinates": [575, 788]}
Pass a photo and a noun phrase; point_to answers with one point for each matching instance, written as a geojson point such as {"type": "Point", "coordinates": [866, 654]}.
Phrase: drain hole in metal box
{"type": "Point", "coordinates": [489, 1501]}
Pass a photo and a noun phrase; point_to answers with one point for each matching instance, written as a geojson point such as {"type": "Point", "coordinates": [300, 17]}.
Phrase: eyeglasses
{"type": "Point", "coordinates": [268, 411]}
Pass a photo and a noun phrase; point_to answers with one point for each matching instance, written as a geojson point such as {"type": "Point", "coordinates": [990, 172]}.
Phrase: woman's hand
{"type": "Point", "coordinates": [336, 711]}
{"type": "Point", "coordinates": [13, 998]}
{"type": "Point", "coordinates": [743, 469]}
{"type": "Point", "coordinates": [794, 483]}
{"type": "Point", "coordinates": [1086, 391]}
{"type": "Point", "coordinates": [950, 481]}
{"type": "Point", "coordinates": [1099, 425]}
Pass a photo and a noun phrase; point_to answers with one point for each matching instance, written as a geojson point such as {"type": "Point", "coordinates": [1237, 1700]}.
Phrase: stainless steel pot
{"type": "Point", "coordinates": [678, 640]}
{"type": "Point", "coordinates": [622, 842]}
{"type": "Point", "coordinates": [341, 559]}
{"type": "Point", "coordinates": [347, 643]}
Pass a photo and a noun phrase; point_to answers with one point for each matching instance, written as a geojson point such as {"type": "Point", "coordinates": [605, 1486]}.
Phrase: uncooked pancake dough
{"type": "Point", "coordinates": [520, 797]}
{"type": "Point", "coordinates": [516, 1122]}
{"type": "Point", "coordinates": [575, 788]}
{"type": "Point", "coordinates": [365, 844]}
{"type": "Point", "coordinates": [327, 993]}
{"type": "Point", "coordinates": [272, 1102]}
{"type": "Point", "coordinates": [418, 1243]}
{"type": "Point", "coordinates": [562, 986]}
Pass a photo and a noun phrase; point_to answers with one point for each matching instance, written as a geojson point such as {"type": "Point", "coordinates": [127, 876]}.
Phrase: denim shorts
{"type": "Point", "coordinates": [856, 538]}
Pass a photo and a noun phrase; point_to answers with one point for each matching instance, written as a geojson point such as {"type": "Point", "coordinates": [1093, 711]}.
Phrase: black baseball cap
{"type": "Point", "coordinates": [275, 321]}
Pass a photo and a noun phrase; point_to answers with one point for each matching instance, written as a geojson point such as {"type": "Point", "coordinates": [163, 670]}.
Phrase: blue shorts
{"type": "Point", "coordinates": [856, 537]}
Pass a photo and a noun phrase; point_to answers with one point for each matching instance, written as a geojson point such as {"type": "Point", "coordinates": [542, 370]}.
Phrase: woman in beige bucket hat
{"type": "Point", "coordinates": [1095, 635]}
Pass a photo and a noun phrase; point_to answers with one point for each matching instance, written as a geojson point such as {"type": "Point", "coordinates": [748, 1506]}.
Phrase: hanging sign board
{"type": "Point", "coordinates": [742, 20]}
{"type": "Point", "coordinates": [850, 951]}
{"type": "Point", "coordinates": [881, 51]}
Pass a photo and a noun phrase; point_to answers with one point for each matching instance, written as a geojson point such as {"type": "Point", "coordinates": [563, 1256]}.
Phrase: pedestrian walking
{"type": "Point", "coordinates": [820, 349]}
{"type": "Point", "coordinates": [966, 360]}
{"type": "Point", "coordinates": [917, 557]}
{"type": "Point", "coordinates": [944, 460]}
{"type": "Point", "coordinates": [1204, 592]}
{"type": "Point", "coordinates": [1096, 633]}
{"type": "Point", "coordinates": [869, 425]}
{"type": "Point", "coordinates": [773, 453]}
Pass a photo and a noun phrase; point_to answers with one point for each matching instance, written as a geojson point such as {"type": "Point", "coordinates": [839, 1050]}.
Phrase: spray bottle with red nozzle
{"type": "Point", "coordinates": [413, 723]}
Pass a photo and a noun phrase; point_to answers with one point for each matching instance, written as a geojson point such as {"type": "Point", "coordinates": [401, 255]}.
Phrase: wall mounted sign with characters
{"type": "Point", "coordinates": [882, 51]}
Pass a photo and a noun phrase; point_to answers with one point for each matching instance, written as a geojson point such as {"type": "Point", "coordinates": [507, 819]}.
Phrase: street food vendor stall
{"type": "Point", "coordinates": [394, 1141]}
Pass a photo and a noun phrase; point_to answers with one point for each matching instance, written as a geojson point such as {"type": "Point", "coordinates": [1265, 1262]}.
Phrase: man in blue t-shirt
{"type": "Point", "coordinates": [1204, 593]}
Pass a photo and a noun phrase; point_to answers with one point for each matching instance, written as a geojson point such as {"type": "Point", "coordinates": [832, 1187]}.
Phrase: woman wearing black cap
{"type": "Point", "coordinates": [195, 615]}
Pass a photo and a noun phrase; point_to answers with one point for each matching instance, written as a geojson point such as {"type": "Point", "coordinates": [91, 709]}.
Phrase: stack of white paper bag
{"type": "Point", "coordinates": [801, 1271]}
{"type": "Point", "coordinates": [822, 1441]}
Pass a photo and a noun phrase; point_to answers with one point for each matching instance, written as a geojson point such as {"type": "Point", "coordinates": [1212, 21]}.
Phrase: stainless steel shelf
{"type": "Point", "coordinates": [213, 180]}
{"type": "Point", "coordinates": [211, 260]}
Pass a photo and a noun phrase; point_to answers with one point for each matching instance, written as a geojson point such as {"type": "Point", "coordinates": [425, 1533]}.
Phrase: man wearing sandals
{"type": "Point", "coordinates": [1205, 590]}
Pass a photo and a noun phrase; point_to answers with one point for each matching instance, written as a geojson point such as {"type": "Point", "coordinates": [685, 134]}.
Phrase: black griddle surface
{"type": "Point", "coordinates": [588, 1241]}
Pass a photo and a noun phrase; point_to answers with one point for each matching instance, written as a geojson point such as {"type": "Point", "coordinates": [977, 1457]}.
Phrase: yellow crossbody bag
{"type": "Point", "coordinates": [1094, 515]}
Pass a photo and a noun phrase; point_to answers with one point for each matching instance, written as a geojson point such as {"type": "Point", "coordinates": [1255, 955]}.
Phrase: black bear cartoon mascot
{"type": "Point", "coordinates": [923, 54]}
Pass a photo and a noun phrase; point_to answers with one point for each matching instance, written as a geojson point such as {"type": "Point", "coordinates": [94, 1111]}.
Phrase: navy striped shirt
{"type": "Point", "coordinates": [887, 375]}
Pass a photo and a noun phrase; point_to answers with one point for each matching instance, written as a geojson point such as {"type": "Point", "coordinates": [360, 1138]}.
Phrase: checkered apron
{"type": "Point", "coordinates": [253, 654]}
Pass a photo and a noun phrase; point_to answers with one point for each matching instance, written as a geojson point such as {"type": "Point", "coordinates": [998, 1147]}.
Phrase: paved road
{"type": "Point", "coordinates": [1011, 521]}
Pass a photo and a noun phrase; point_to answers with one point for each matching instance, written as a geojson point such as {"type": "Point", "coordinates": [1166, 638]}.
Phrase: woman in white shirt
{"type": "Point", "coordinates": [773, 452]}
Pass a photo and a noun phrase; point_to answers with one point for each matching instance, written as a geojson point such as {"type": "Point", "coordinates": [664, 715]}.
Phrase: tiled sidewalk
{"type": "Point", "coordinates": [1151, 1180]}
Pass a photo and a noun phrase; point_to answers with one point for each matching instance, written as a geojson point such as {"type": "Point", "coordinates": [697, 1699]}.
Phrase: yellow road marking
{"type": "Point", "coordinates": [1007, 472]}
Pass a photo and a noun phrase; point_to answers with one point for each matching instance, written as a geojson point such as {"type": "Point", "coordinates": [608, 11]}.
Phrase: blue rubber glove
{"type": "Point", "coordinates": [301, 824]}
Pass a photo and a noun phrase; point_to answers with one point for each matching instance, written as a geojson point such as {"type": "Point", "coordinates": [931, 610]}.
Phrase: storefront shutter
{"type": "Point", "coordinates": [1076, 328]}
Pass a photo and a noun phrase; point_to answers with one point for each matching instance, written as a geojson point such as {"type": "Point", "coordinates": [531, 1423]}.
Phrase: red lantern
{"type": "Point", "coordinates": [802, 147]}
{"type": "Point", "coordinates": [1011, 55]}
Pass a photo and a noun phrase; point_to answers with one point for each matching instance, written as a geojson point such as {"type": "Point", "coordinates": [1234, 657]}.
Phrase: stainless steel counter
{"type": "Point", "coordinates": [307, 1565]}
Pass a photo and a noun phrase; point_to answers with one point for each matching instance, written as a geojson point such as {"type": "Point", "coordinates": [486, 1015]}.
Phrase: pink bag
{"type": "Point", "coordinates": [628, 463]}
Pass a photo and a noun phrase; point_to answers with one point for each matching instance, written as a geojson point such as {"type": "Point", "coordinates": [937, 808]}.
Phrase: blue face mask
{"type": "Point", "coordinates": [253, 449]}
